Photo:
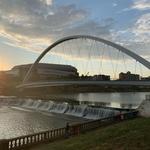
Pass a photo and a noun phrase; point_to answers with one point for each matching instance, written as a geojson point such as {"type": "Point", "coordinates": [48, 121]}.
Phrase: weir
{"type": "Point", "coordinates": [99, 113]}
{"type": "Point", "coordinates": [45, 106]}
{"type": "Point", "coordinates": [76, 110]}
{"type": "Point", "coordinates": [84, 111]}
{"type": "Point", "coordinates": [59, 107]}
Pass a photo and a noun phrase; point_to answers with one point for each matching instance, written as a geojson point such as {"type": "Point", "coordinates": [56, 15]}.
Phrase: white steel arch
{"type": "Point", "coordinates": [116, 46]}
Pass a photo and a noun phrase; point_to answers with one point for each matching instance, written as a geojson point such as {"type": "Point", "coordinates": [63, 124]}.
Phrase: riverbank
{"type": "Point", "coordinates": [131, 134]}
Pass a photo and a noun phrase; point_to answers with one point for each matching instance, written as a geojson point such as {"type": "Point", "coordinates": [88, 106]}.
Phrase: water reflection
{"type": "Point", "coordinates": [127, 100]}
{"type": "Point", "coordinates": [97, 104]}
{"type": "Point", "coordinates": [109, 104]}
{"type": "Point", "coordinates": [18, 122]}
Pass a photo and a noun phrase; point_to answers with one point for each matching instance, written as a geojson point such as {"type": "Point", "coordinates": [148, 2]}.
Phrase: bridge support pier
{"type": "Point", "coordinates": [4, 145]}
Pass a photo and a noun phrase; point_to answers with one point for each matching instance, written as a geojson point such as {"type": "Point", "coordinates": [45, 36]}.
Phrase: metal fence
{"type": "Point", "coordinates": [21, 142]}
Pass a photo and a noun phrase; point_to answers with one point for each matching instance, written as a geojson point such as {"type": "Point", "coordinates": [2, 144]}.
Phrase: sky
{"type": "Point", "coordinates": [27, 27]}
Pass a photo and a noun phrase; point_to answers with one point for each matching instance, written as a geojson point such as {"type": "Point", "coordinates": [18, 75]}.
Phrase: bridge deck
{"type": "Point", "coordinates": [64, 83]}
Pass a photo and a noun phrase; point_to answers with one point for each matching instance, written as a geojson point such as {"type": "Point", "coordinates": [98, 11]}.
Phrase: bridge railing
{"type": "Point", "coordinates": [32, 139]}
{"type": "Point", "coordinates": [21, 142]}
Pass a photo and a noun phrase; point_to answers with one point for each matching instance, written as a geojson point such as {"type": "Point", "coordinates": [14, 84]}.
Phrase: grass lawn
{"type": "Point", "coordinates": [127, 135]}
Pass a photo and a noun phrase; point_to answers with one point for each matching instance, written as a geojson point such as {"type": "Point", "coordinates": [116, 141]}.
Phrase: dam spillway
{"type": "Point", "coordinates": [83, 111]}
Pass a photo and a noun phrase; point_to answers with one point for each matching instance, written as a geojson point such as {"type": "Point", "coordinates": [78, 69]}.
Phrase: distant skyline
{"type": "Point", "coordinates": [27, 27]}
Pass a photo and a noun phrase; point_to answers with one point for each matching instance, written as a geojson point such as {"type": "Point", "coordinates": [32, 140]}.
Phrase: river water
{"type": "Point", "coordinates": [15, 121]}
{"type": "Point", "coordinates": [129, 100]}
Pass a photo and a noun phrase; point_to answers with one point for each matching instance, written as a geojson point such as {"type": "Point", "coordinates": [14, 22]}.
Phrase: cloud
{"type": "Point", "coordinates": [47, 2]}
{"type": "Point", "coordinates": [141, 32]}
{"type": "Point", "coordinates": [141, 28]}
{"type": "Point", "coordinates": [141, 4]}
{"type": "Point", "coordinates": [101, 29]}
{"type": "Point", "coordinates": [28, 22]}
{"type": "Point", "coordinates": [115, 4]}
{"type": "Point", "coordinates": [136, 38]}
{"type": "Point", "coordinates": [35, 24]}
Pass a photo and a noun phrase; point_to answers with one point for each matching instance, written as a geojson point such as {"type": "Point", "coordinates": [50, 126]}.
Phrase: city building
{"type": "Point", "coordinates": [44, 71]}
{"type": "Point", "coordinates": [145, 78]}
{"type": "Point", "coordinates": [101, 77]}
{"type": "Point", "coordinates": [129, 76]}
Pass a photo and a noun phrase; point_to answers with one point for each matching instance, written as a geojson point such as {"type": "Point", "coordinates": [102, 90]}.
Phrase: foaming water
{"type": "Point", "coordinates": [65, 108]}
{"type": "Point", "coordinates": [77, 110]}
{"type": "Point", "coordinates": [97, 113]}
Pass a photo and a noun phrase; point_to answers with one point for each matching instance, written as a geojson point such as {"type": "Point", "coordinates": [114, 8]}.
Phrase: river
{"type": "Point", "coordinates": [19, 121]}
{"type": "Point", "coordinates": [129, 100]}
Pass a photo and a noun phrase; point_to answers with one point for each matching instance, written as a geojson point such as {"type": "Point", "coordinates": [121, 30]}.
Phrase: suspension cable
{"type": "Point", "coordinates": [118, 54]}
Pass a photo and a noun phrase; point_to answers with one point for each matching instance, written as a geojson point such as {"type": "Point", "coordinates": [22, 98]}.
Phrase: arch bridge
{"type": "Point", "coordinates": [26, 83]}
